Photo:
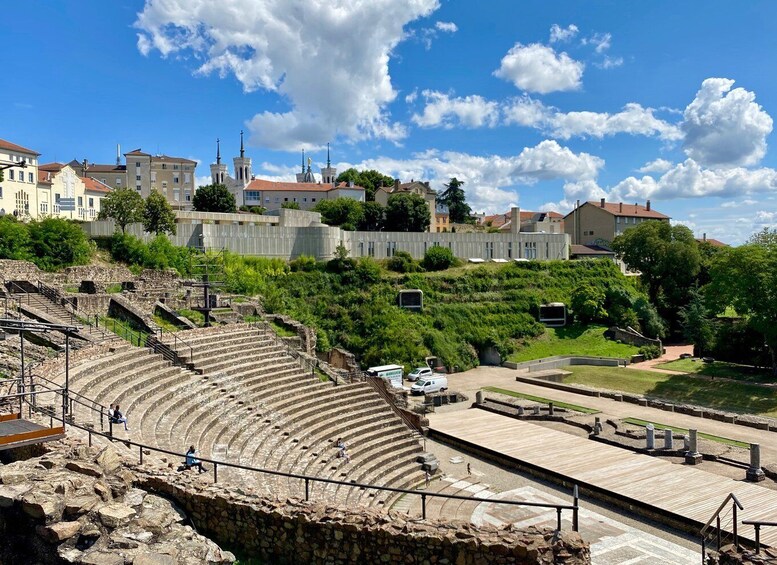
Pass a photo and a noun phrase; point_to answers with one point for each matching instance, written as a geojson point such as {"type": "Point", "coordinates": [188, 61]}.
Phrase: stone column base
{"type": "Point", "coordinates": [754, 475]}
{"type": "Point", "coordinates": [693, 458]}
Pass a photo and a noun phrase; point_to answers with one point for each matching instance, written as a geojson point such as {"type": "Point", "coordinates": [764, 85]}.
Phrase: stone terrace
{"type": "Point", "coordinates": [254, 405]}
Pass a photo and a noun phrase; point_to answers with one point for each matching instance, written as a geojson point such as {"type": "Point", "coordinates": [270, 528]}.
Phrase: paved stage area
{"type": "Point", "coordinates": [684, 491]}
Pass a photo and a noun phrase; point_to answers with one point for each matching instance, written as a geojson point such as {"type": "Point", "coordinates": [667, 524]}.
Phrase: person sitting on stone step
{"type": "Point", "coordinates": [119, 418]}
{"type": "Point", "coordinates": [192, 461]}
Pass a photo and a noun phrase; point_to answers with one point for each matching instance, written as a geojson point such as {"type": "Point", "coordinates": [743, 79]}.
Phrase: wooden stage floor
{"type": "Point", "coordinates": [16, 432]}
{"type": "Point", "coordinates": [687, 492]}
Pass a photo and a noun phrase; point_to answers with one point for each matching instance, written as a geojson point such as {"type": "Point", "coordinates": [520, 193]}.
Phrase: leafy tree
{"type": "Point", "coordinates": [438, 258]}
{"type": "Point", "coordinates": [57, 243]}
{"type": "Point", "coordinates": [344, 212]}
{"type": "Point", "coordinates": [158, 215]}
{"type": "Point", "coordinates": [214, 198]}
{"type": "Point", "coordinates": [649, 321]}
{"type": "Point", "coordinates": [454, 198]}
{"type": "Point", "coordinates": [407, 212]}
{"type": "Point", "coordinates": [14, 238]}
{"type": "Point", "coordinates": [696, 324]}
{"type": "Point", "coordinates": [587, 302]}
{"type": "Point", "coordinates": [766, 237]}
{"type": "Point", "coordinates": [668, 259]}
{"type": "Point", "coordinates": [745, 277]}
{"type": "Point", "coordinates": [373, 217]}
{"type": "Point", "coordinates": [124, 206]}
{"type": "Point", "coordinates": [290, 205]}
{"type": "Point", "coordinates": [371, 180]}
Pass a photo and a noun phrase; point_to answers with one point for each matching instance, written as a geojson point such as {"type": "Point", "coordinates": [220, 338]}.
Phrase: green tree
{"type": "Point", "coordinates": [124, 206]}
{"type": "Point", "coordinates": [57, 243]}
{"type": "Point", "coordinates": [587, 303]}
{"type": "Point", "coordinates": [668, 259]}
{"type": "Point", "coordinates": [696, 324]}
{"type": "Point", "coordinates": [766, 237]}
{"type": "Point", "coordinates": [438, 258]}
{"type": "Point", "coordinates": [214, 198]}
{"type": "Point", "coordinates": [454, 198]}
{"type": "Point", "coordinates": [745, 278]}
{"type": "Point", "coordinates": [290, 205]}
{"type": "Point", "coordinates": [407, 212]}
{"type": "Point", "coordinates": [373, 216]}
{"type": "Point", "coordinates": [371, 180]}
{"type": "Point", "coordinates": [344, 212]}
{"type": "Point", "coordinates": [14, 239]}
{"type": "Point", "coordinates": [158, 215]}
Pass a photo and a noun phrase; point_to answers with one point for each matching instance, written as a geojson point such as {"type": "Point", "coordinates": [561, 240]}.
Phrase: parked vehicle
{"type": "Point", "coordinates": [392, 373]}
{"type": "Point", "coordinates": [435, 383]}
{"type": "Point", "coordinates": [419, 373]}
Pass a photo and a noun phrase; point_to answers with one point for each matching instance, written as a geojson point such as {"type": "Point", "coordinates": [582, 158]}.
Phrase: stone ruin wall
{"type": "Point", "coordinates": [294, 531]}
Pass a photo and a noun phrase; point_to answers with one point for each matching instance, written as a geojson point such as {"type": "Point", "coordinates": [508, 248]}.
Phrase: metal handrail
{"type": "Point", "coordinates": [716, 517]}
{"type": "Point", "coordinates": [757, 525]}
{"type": "Point", "coordinates": [175, 348]}
{"type": "Point", "coordinates": [574, 507]}
{"type": "Point", "coordinates": [731, 496]}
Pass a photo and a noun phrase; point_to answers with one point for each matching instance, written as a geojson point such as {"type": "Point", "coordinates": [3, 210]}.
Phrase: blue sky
{"type": "Point", "coordinates": [533, 103]}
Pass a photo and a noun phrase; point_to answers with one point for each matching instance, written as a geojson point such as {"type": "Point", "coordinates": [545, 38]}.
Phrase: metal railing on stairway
{"type": "Point", "coordinates": [726, 526]}
{"type": "Point", "coordinates": [306, 479]}
{"type": "Point", "coordinates": [757, 525]}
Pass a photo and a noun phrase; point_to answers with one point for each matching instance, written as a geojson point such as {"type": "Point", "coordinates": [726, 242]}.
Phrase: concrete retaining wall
{"type": "Point", "coordinates": [559, 361]}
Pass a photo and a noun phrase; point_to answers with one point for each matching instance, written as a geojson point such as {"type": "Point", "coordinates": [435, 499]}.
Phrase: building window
{"type": "Point", "coordinates": [175, 167]}
{"type": "Point", "coordinates": [176, 179]}
{"type": "Point", "coordinates": [1, 191]}
{"type": "Point", "coordinates": [10, 174]}
{"type": "Point", "coordinates": [391, 248]}
{"type": "Point", "coordinates": [253, 195]}
{"type": "Point", "coordinates": [188, 195]}
{"type": "Point", "coordinates": [44, 207]}
{"type": "Point", "coordinates": [285, 199]}
{"type": "Point", "coordinates": [29, 177]}
{"type": "Point", "coordinates": [312, 199]}
{"type": "Point", "coordinates": [304, 198]}
{"type": "Point", "coordinates": [91, 202]}
{"type": "Point", "coordinates": [118, 182]}
{"type": "Point", "coordinates": [187, 178]}
{"type": "Point", "coordinates": [266, 199]}
{"type": "Point", "coordinates": [137, 165]}
{"type": "Point", "coordinates": [81, 201]}
{"type": "Point", "coordinates": [371, 248]}
{"type": "Point", "coordinates": [530, 250]}
{"type": "Point", "coordinates": [56, 198]}
{"type": "Point", "coordinates": [617, 219]}
{"type": "Point", "coordinates": [164, 184]}
{"type": "Point", "coordinates": [153, 176]}
{"type": "Point", "coordinates": [277, 199]}
{"type": "Point", "coordinates": [176, 195]}
{"type": "Point", "coordinates": [164, 166]}
{"type": "Point", "coordinates": [137, 177]}
{"type": "Point", "coordinates": [509, 249]}
{"type": "Point", "coordinates": [138, 187]}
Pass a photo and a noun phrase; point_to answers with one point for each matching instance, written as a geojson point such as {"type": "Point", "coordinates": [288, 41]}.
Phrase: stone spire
{"type": "Point", "coordinates": [328, 174]}
{"type": "Point", "coordinates": [218, 151]}
{"type": "Point", "coordinates": [328, 164]}
{"type": "Point", "coordinates": [242, 151]}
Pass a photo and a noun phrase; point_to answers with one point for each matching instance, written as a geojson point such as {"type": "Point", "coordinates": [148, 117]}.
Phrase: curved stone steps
{"type": "Point", "coordinates": [127, 362]}
{"type": "Point", "coordinates": [241, 393]}
{"type": "Point", "coordinates": [235, 362]}
{"type": "Point", "coordinates": [383, 470]}
{"type": "Point", "coordinates": [81, 372]}
{"type": "Point", "coordinates": [413, 481]}
{"type": "Point", "coordinates": [204, 342]}
{"type": "Point", "coordinates": [145, 366]}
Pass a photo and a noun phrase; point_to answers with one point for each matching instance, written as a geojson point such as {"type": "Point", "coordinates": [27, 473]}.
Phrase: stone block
{"type": "Point", "coordinates": [77, 505]}
{"type": "Point", "coordinates": [109, 459]}
{"type": "Point", "coordinates": [154, 559]}
{"type": "Point", "coordinates": [102, 558]}
{"type": "Point", "coordinates": [59, 532]}
{"type": "Point", "coordinates": [89, 469]}
{"type": "Point", "coordinates": [11, 493]}
{"type": "Point", "coordinates": [42, 506]}
{"type": "Point", "coordinates": [115, 515]}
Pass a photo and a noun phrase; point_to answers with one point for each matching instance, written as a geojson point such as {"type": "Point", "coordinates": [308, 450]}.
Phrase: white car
{"type": "Point", "coordinates": [419, 373]}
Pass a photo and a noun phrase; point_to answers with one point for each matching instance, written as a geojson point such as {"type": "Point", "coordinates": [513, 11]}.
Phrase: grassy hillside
{"type": "Point", "coordinates": [573, 340]}
{"type": "Point", "coordinates": [466, 309]}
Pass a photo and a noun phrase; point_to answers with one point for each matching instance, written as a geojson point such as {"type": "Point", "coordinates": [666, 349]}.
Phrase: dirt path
{"type": "Point", "coordinates": [673, 353]}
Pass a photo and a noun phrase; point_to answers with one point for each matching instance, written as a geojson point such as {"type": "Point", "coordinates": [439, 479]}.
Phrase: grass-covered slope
{"type": "Point", "coordinates": [466, 310]}
{"type": "Point", "coordinates": [574, 339]}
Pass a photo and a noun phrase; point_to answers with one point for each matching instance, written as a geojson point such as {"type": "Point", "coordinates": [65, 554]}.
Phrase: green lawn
{"type": "Point", "coordinates": [195, 316]}
{"type": "Point", "coordinates": [541, 400]}
{"type": "Point", "coordinates": [743, 398]}
{"type": "Point", "coordinates": [659, 426]}
{"type": "Point", "coordinates": [719, 369]}
{"type": "Point", "coordinates": [282, 330]}
{"type": "Point", "coordinates": [573, 340]}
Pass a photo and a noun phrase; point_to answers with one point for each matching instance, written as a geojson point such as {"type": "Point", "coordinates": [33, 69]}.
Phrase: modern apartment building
{"type": "Point", "coordinates": [18, 193]}
{"type": "Point", "coordinates": [597, 223]}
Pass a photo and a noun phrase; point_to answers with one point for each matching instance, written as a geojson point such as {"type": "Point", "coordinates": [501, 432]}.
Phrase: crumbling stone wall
{"type": "Point", "coordinates": [307, 335]}
{"type": "Point", "coordinates": [294, 531]}
{"type": "Point", "coordinates": [11, 270]}
{"type": "Point", "coordinates": [97, 273]}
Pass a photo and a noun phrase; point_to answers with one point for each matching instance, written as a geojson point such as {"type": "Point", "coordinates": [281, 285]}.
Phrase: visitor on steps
{"type": "Point", "coordinates": [119, 418]}
{"type": "Point", "coordinates": [192, 461]}
{"type": "Point", "coordinates": [340, 447]}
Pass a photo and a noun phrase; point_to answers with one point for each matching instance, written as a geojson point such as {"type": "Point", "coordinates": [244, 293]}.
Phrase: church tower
{"type": "Point", "coordinates": [305, 175]}
{"type": "Point", "coordinates": [218, 170]}
{"type": "Point", "coordinates": [328, 173]}
{"type": "Point", "coordinates": [243, 171]}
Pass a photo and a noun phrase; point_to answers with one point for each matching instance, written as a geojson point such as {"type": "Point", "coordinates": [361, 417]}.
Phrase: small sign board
{"type": "Point", "coordinates": [67, 204]}
{"type": "Point", "coordinates": [411, 298]}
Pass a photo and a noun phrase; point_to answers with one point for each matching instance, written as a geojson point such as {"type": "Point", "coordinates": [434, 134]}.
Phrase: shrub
{"type": "Point", "coordinates": [57, 243]}
{"type": "Point", "coordinates": [650, 352]}
{"type": "Point", "coordinates": [304, 263]}
{"type": "Point", "coordinates": [587, 303]}
{"type": "Point", "coordinates": [438, 258]}
{"type": "Point", "coordinates": [402, 262]}
{"type": "Point", "coordinates": [14, 239]}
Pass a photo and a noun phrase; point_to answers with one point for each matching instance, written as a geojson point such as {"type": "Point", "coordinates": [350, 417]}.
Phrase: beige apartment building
{"type": "Point", "coordinates": [597, 223]}
{"type": "Point", "coordinates": [18, 192]}
{"type": "Point", "coordinates": [114, 176]}
{"type": "Point", "coordinates": [273, 195]}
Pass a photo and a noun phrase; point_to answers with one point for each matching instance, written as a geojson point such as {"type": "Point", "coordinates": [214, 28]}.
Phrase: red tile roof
{"type": "Point", "coordinates": [94, 185]}
{"type": "Point", "coordinates": [13, 147]}
{"type": "Point", "coordinates": [51, 167]}
{"type": "Point", "coordinates": [44, 177]}
{"type": "Point", "coordinates": [269, 185]}
{"type": "Point", "coordinates": [589, 250]}
{"type": "Point", "coordinates": [712, 242]}
{"type": "Point", "coordinates": [138, 152]}
{"type": "Point", "coordinates": [168, 158]}
{"type": "Point", "coordinates": [92, 168]}
{"type": "Point", "coordinates": [629, 210]}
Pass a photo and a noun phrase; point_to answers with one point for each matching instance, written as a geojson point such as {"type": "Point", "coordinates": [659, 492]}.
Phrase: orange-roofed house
{"type": "Point", "coordinates": [272, 195]}
{"type": "Point", "coordinates": [64, 194]}
{"type": "Point", "coordinates": [18, 194]}
{"type": "Point", "coordinates": [598, 223]}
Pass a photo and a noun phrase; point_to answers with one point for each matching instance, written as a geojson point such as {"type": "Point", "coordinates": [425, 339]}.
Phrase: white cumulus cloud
{"type": "Point", "coordinates": [336, 81]}
{"type": "Point", "coordinates": [559, 34]}
{"type": "Point", "coordinates": [470, 111]}
{"type": "Point", "coordinates": [447, 27]}
{"type": "Point", "coordinates": [538, 68]}
{"type": "Point", "coordinates": [633, 119]}
{"type": "Point", "coordinates": [725, 127]}
{"type": "Point", "coordinates": [656, 166]}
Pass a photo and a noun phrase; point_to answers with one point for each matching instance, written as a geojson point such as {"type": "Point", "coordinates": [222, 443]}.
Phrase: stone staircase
{"type": "Point", "coordinates": [248, 401]}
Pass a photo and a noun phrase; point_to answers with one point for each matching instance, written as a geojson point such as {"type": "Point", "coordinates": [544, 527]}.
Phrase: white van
{"type": "Point", "coordinates": [419, 373]}
{"type": "Point", "coordinates": [426, 385]}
